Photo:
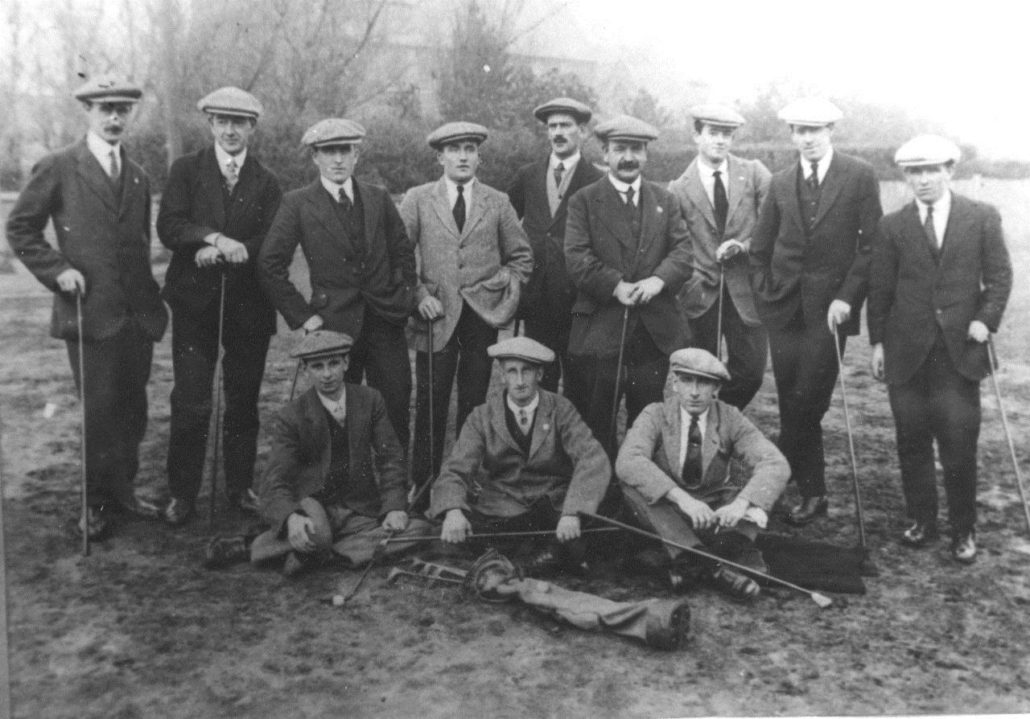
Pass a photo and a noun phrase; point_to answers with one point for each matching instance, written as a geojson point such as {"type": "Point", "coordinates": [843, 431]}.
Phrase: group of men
{"type": "Point", "coordinates": [624, 287]}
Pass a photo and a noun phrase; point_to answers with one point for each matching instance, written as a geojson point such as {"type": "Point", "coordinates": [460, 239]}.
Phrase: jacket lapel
{"type": "Point", "coordinates": [131, 179]}
{"type": "Point", "coordinates": [496, 402]}
{"type": "Point", "coordinates": [610, 210]}
{"type": "Point", "coordinates": [832, 184]}
{"type": "Point", "coordinates": [442, 205]}
{"type": "Point", "coordinates": [370, 202]}
{"type": "Point", "coordinates": [649, 221]}
{"type": "Point", "coordinates": [317, 428]}
{"type": "Point", "coordinates": [737, 185]}
{"type": "Point", "coordinates": [475, 211]}
{"type": "Point", "coordinates": [357, 419]}
{"type": "Point", "coordinates": [710, 445]}
{"type": "Point", "coordinates": [542, 423]}
{"type": "Point", "coordinates": [696, 193]}
{"type": "Point", "coordinates": [93, 175]}
{"type": "Point", "coordinates": [915, 232]}
{"type": "Point", "coordinates": [211, 181]}
{"type": "Point", "coordinates": [322, 206]}
{"type": "Point", "coordinates": [957, 219]}
{"type": "Point", "coordinates": [671, 438]}
{"type": "Point", "coordinates": [578, 180]}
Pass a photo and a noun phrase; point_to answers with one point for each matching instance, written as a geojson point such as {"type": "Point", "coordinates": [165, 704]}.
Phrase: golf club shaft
{"type": "Point", "coordinates": [502, 535]}
{"type": "Point", "coordinates": [992, 358]}
{"type": "Point", "coordinates": [851, 439]}
{"type": "Point", "coordinates": [217, 419]}
{"type": "Point", "coordinates": [618, 377]}
{"type": "Point", "coordinates": [82, 424]}
{"type": "Point", "coordinates": [718, 319]}
{"type": "Point", "coordinates": [432, 422]}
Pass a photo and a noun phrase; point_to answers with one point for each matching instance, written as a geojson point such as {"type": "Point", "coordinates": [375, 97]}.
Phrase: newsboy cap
{"type": "Point", "coordinates": [230, 101]}
{"type": "Point", "coordinates": [322, 343]}
{"type": "Point", "coordinates": [712, 113]}
{"type": "Point", "coordinates": [456, 132]}
{"type": "Point", "coordinates": [624, 127]}
{"type": "Point", "coordinates": [566, 105]}
{"type": "Point", "coordinates": [333, 131]}
{"type": "Point", "coordinates": [927, 150]}
{"type": "Point", "coordinates": [811, 112]}
{"type": "Point", "coordinates": [108, 88]}
{"type": "Point", "coordinates": [696, 361]}
{"type": "Point", "coordinates": [521, 348]}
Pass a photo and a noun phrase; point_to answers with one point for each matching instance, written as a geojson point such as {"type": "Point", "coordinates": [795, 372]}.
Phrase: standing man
{"type": "Point", "coordinates": [720, 195]}
{"type": "Point", "coordinates": [361, 262]}
{"type": "Point", "coordinates": [540, 195]}
{"type": "Point", "coordinates": [941, 277]}
{"type": "Point", "coordinates": [810, 272]}
{"type": "Point", "coordinates": [473, 260]}
{"type": "Point", "coordinates": [99, 202]}
{"type": "Point", "coordinates": [215, 212]}
{"type": "Point", "coordinates": [628, 253]}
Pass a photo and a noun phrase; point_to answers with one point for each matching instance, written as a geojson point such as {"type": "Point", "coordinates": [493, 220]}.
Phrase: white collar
{"type": "Point", "coordinates": [101, 149]}
{"type": "Point", "coordinates": [823, 163]}
{"type": "Point", "coordinates": [334, 405]}
{"type": "Point", "coordinates": [707, 170]}
{"type": "Point", "coordinates": [621, 186]}
{"type": "Point", "coordinates": [568, 163]}
{"type": "Point", "coordinates": [529, 408]}
{"type": "Point", "coordinates": [224, 157]}
{"type": "Point", "coordinates": [334, 189]}
{"type": "Point", "coordinates": [941, 208]}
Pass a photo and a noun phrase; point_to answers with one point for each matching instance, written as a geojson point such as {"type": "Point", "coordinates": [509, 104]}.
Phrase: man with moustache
{"type": "Point", "coordinates": [473, 259]}
{"type": "Point", "coordinates": [628, 253]}
{"type": "Point", "coordinates": [810, 273]}
{"type": "Point", "coordinates": [215, 211]}
{"type": "Point", "coordinates": [940, 280]}
{"type": "Point", "coordinates": [361, 264]}
{"type": "Point", "coordinates": [99, 202]}
{"type": "Point", "coordinates": [540, 195]}
{"type": "Point", "coordinates": [720, 195]}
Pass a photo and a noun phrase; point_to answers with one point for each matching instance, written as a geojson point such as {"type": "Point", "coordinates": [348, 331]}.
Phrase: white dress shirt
{"type": "Point", "coordinates": [941, 210]}
{"type": "Point", "coordinates": [707, 173]}
{"type": "Point", "coordinates": [452, 192]}
{"type": "Point", "coordinates": [824, 165]}
{"type": "Point", "coordinates": [223, 160]}
{"type": "Point", "coordinates": [621, 188]}
{"type": "Point", "coordinates": [529, 409]}
{"type": "Point", "coordinates": [334, 189]}
{"type": "Point", "coordinates": [101, 149]}
{"type": "Point", "coordinates": [337, 408]}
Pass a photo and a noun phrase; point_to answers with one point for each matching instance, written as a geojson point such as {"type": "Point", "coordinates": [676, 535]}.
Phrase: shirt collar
{"type": "Point", "coordinates": [334, 189]}
{"type": "Point", "coordinates": [530, 408]}
{"type": "Point", "coordinates": [824, 165]}
{"type": "Point", "coordinates": [701, 418]}
{"type": "Point", "coordinates": [707, 170]}
{"type": "Point", "coordinates": [621, 186]}
{"type": "Point", "coordinates": [331, 404]}
{"type": "Point", "coordinates": [101, 148]}
{"type": "Point", "coordinates": [568, 163]}
{"type": "Point", "coordinates": [940, 208]}
{"type": "Point", "coordinates": [224, 157]}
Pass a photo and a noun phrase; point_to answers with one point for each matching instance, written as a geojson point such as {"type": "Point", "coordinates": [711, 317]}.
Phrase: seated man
{"type": "Point", "coordinates": [335, 480]}
{"type": "Point", "coordinates": [524, 461]}
{"type": "Point", "coordinates": [675, 472]}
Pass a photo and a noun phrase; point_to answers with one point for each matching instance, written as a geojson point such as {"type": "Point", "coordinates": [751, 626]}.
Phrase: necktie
{"type": "Point", "coordinates": [629, 196]}
{"type": "Point", "coordinates": [344, 200]}
{"type": "Point", "coordinates": [113, 171]}
{"type": "Point", "coordinates": [524, 421]}
{"type": "Point", "coordinates": [559, 172]}
{"type": "Point", "coordinates": [931, 231]}
{"type": "Point", "coordinates": [232, 175]}
{"type": "Point", "coordinates": [813, 179]}
{"type": "Point", "coordinates": [459, 209]}
{"type": "Point", "coordinates": [722, 204]}
{"type": "Point", "coordinates": [692, 463]}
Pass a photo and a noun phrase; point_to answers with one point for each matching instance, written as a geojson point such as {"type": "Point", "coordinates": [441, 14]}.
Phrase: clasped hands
{"type": "Point", "coordinates": [640, 292]}
{"type": "Point", "coordinates": [221, 249]}
{"type": "Point", "coordinates": [702, 516]}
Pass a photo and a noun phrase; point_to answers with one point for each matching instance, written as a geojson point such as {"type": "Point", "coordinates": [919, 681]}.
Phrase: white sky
{"type": "Point", "coordinates": [963, 64]}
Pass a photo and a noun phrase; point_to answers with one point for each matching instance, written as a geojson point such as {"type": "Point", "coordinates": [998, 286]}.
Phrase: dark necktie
{"type": "Point", "coordinates": [345, 202]}
{"type": "Point", "coordinates": [692, 464]}
{"type": "Point", "coordinates": [113, 170]}
{"type": "Point", "coordinates": [931, 231]}
{"type": "Point", "coordinates": [722, 205]}
{"type": "Point", "coordinates": [559, 172]}
{"type": "Point", "coordinates": [813, 179]}
{"type": "Point", "coordinates": [629, 196]}
{"type": "Point", "coordinates": [459, 209]}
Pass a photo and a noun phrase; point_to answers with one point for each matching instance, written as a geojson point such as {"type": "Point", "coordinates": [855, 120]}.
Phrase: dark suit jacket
{"type": "Point", "coordinates": [299, 460]}
{"type": "Point", "coordinates": [192, 208]}
{"type": "Point", "coordinates": [600, 250]}
{"type": "Point", "coordinates": [791, 270]}
{"type": "Point", "coordinates": [549, 290]}
{"type": "Point", "coordinates": [912, 292]}
{"type": "Point", "coordinates": [343, 279]}
{"type": "Point", "coordinates": [105, 238]}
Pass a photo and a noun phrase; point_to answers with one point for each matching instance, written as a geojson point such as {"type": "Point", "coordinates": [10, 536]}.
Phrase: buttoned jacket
{"type": "Point", "coordinates": [649, 459]}
{"type": "Point", "coordinates": [747, 184]}
{"type": "Point", "coordinates": [192, 207]}
{"type": "Point", "coordinates": [301, 456]}
{"type": "Point", "coordinates": [346, 275]}
{"type": "Point", "coordinates": [916, 292]}
{"type": "Point", "coordinates": [488, 470]}
{"type": "Point", "coordinates": [485, 264]}
{"type": "Point", "coordinates": [793, 269]}
{"type": "Point", "coordinates": [600, 250]}
{"type": "Point", "coordinates": [101, 233]}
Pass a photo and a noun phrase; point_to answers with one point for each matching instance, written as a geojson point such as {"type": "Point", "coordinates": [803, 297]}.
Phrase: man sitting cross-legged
{"type": "Point", "coordinates": [675, 475]}
{"type": "Point", "coordinates": [525, 460]}
{"type": "Point", "coordinates": [335, 480]}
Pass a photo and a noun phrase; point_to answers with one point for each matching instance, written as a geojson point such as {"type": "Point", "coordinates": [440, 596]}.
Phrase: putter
{"type": "Point", "coordinates": [821, 599]}
{"type": "Point", "coordinates": [992, 358]}
{"type": "Point", "coordinates": [82, 425]}
{"type": "Point", "coordinates": [618, 377]}
{"type": "Point", "coordinates": [398, 572]}
{"type": "Point", "coordinates": [718, 319]}
{"type": "Point", "coordinates": [851, 446]}
{"type": "Point", "coordinates": [380, 550]}
{"type": "Point", "coordinates": [217, 419]}
{"type": "Point", "coordinates": [417, 495]}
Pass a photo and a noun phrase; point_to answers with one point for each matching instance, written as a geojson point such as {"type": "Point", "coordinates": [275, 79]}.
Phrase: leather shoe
{"type": "Point", "coordinates": [226, 551]}
{"type": "Point", "coordinates": [245, 501]}
{"type": "Point", "coordinates": [140, 508]}
{"type": "Point", "coordinates": [94, 524]}
{"type": "Point", "coordinates": [808, 510]}
{"type": "Point", "coordinates": [178, 511]}
{"type": "Point", "coordinates": [963, 546]}
{"type": "Point", "coordinates": [737, 585]}
{"type": "Point", "coordinates": [920, 534]}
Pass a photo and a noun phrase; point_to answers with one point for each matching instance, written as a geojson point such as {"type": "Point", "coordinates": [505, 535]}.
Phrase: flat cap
{"type": "Point", "coordinates": [927, 150]}
{"type": "Point", "coordinates": [109, 88]}
{"type": "Point", "coordinates": [713, 113]}
{"type": "Point", "coordinates": [624, 127]}
{"type": "Point", "coordinates": [456, 132]}
{"type": "Point", "coordinates": [696, 361]}
{"type": "Point", "coordinates": [333, 131]}
{"type": "Point", "coordinates": [811, 112]}
{"type": "Point", "coordinates": [322, 343]}
{"type": "Point", "coordinates": [230, 101]}
{"type": "Point", "coordinates": [521, 348]}
{"type": "Point", "coordinates": [565, 105]}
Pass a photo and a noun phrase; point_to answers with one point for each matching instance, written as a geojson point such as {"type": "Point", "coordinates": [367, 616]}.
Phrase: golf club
{"type": "Point", "coordinates": [992, 358]}
{"type": "Point", "coordinates": [216, 421]}
{"type": "Point", "coordinates": [82, 424]}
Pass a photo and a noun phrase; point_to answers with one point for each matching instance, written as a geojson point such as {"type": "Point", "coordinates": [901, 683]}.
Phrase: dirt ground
{"type": "Point", "coordinates": [140, 630]}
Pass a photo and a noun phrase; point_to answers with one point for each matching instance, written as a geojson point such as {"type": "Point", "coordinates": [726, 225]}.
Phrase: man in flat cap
{"type": "Point", "coordinates": [473, 260]}
{"type": "Point", "coordinates": [99, 203]}
{"type": "Point", "coordinates": [361, 263]}
{"type": "Point", "coordinates": [335, 483]}
{"type": "Point", "coordinates": [810, 272]}
{"type": "Point", "coordinates": [215, 212]}
{"type": "Point", "coordinates": [628, 253]}
{"type": "Point", "coordinates": [540, 195]}
{"type": "Point", "coordinates": [524, 461]}
{"type": "Point", "coordinates": [940, 280]}
{"type": "Point", "coordinates": [720, 195]}
{"type": "Point", "coordinates": [675, 472]}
